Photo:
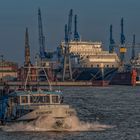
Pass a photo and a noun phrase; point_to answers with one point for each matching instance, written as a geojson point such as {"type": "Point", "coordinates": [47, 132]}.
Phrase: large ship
{"type": "Point", "coordinates": [90, 62]}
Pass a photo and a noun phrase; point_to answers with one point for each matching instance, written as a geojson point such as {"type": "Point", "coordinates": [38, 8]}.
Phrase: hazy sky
{"type": "Point", "coordinates": [94, 18]}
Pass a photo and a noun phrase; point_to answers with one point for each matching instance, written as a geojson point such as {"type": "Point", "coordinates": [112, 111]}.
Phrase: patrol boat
{"type": "Point", "coordinates": [32, 102]}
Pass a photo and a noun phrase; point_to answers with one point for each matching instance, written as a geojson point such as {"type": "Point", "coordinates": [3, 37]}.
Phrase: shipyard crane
{"type": "Point", "coordinates": [70, 25]}
{"type": "Point", "coordinates": [122, 41]}
{"type": "Point", "coordinates": [42, 53]}
{"type": "Point", "coordinates": [67, 70]}
{"type": "Point", "coordinates": [76, 35]}
{"type": "Point", "coordinates": [122, 45]}
{"type": "Point", "coordinates": [133, 48]}
{"type": "Point", "coordinates": [66, 33]}
{"type": "Point", "coordinates": [112, 42]}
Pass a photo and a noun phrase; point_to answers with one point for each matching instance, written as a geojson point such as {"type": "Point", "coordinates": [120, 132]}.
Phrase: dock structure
{"type": "Point", "coordinates": [68, 83]}
{"type": "Point", "coordinates": [56, 83]}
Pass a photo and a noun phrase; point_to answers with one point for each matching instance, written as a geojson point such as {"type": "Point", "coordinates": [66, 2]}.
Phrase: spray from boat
{"type": "Point", "coordinates": [44, 123]}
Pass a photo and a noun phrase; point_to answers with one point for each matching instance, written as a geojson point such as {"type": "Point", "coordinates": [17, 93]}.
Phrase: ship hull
{"type": "Point", "coordinates": [96, 75]}
{"type": "Point", "coordinates": [124, 78]}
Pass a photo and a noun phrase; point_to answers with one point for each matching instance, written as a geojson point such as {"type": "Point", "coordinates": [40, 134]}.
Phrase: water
{"type": "Point", "coordinates": [97, 107]}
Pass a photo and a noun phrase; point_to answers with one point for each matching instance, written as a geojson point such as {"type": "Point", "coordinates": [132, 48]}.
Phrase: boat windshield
{"type": "Point", "coordinates": [55, 99]}
{"type": "Point", "coordinates": [41, 99]}
{"type": "Point", "coordinates": [24, 99]}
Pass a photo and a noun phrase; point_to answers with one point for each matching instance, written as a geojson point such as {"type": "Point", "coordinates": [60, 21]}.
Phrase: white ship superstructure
{"type": "Point", "coordinates": [91, 54]}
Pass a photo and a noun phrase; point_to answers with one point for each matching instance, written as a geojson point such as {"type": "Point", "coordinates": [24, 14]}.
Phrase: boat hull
{"type": "Point", "coordinates": [55, 111]}
{"type": "Point", "coordinates": [51, 116]}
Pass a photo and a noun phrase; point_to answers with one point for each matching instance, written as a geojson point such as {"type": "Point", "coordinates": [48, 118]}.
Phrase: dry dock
{"type": "Point", "coordinates": [67, 83]}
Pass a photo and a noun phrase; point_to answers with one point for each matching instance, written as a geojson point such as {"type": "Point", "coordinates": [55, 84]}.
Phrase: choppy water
{"type": "Point", "coordinates": [117, 106]}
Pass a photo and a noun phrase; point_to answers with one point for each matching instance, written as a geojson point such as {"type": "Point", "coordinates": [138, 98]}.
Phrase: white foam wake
{"type": "Point", "coordinates": [45, 124]}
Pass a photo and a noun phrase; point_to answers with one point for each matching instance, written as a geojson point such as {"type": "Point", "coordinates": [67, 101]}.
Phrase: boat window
{"type": "Point", "coordinates": [16, 100]}
{"type": "Point", "coordinates": [55, 99]}
{"type": "Point", "coordinates": [46, 99]}
{"type": "Point", "coordinates": [24, 99]}
{"type": "Point", "coordinates": [34, 99]}
{"type": "Point", "coordinates": [39, 99]}
{"type": "Point", "coordinates": [31, 99]}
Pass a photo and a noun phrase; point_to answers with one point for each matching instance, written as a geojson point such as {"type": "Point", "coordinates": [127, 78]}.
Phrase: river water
{"type": "Point", "coordinates": [116, 109]}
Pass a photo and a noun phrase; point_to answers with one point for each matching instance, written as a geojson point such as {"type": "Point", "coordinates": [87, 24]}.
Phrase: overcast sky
{"type": "Point", "coordinates": [94, 18]}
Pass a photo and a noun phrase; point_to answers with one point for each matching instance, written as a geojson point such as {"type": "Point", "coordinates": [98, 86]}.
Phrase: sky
{"type": "Point", "coordinates": [94, 19]}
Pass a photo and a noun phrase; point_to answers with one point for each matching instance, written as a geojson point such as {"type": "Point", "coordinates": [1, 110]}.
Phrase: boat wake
{"type": "Point", "coordinates": [45, 123]}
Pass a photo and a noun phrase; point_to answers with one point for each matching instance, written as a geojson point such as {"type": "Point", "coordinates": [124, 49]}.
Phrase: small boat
{"type": "Point", "coordinates": [32, 102]}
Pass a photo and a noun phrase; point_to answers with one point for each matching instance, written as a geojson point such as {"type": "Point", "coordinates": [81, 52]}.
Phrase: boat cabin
{"type": "Point", "coordinates": [36, 97]}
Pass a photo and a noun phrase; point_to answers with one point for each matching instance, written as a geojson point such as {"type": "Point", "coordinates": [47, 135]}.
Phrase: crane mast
{"type": "Point", "coordinates": [70, 25]}
{"type": "Point", "coordinates": [67, 70]}
{"type": "Point", "coordinates": [66, 33]}
{"type": "Point", "coordinates": [42, 53]}
{"type": "Point", "coordinates": [112, 42]}
{"type": "Point", "coordinates": [133, 48]}
{"type": "Point", "coordinates": [122, 40]}
{"type": "Point", "coordinates": [122, 33]}
{"type": "Point", "coordinates": [76, 35]}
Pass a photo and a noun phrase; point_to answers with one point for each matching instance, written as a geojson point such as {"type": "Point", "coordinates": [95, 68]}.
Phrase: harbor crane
{"type": "Point", "coordinates": [76, 35]}
{"type": "Point", "coordinates": [42, 53]}
{"type": "Point", "coordinates": [133, 48]}
{"type": "Point", "coordinates": [67, 70]}
{"type": "Point", "coordinates": [112, 42]}
{"type": "Point", "coordinates": [122, 46]}
{"type": "Point", "coordinates": [70, 25]}
{"type": "Point", "coordinates": [122, 41]}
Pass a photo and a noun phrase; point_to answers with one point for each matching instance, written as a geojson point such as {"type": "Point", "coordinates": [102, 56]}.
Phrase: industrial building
{"type": "Point", "coordinates": [8, 70]}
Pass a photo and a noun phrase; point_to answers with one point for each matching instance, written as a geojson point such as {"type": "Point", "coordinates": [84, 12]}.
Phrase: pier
{"type": "Point", "coordinates": [67, 83]}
